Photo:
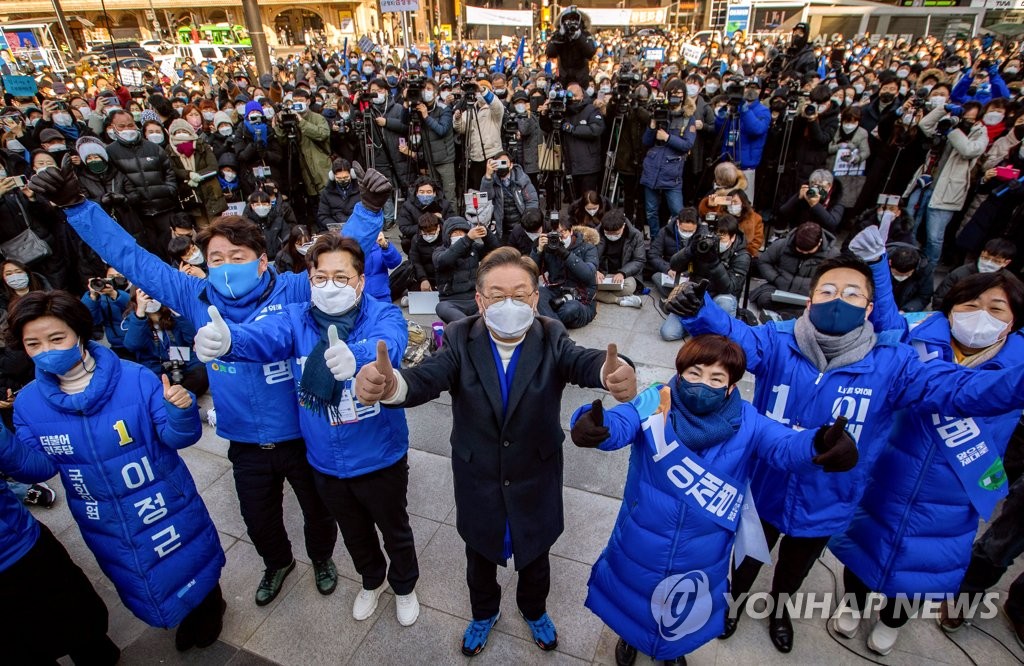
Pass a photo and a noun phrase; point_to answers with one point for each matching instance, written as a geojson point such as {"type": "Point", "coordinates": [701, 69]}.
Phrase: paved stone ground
{"type": "Point", "coordinates": [303, 627]}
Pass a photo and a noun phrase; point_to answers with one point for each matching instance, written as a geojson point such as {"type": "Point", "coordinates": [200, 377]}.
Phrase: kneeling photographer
{"type": "Point", "coordinates": [305, 136]}
{"type": "Point", "coordinates": [568, 260]}
{"type": "Point", "coordinates": [816, 201]}
{"type": "Point", "coordinates": [716, 253]}
{"type": "Point", "coordinates": [162, 341]}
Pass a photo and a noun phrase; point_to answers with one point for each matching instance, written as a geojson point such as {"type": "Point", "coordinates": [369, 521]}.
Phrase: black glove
{"type": "Point", "coordinates": [113, 199]}
{"type": "Point", "coordinates": [589, 430]}
{"type": "Point", "coordinates": [837, 452]}
{"type": "Point", "coordinates": [706, 254]}
{"type": "Point", "coordinates": [688, 300]}
{"type": "Point", "coordinates": [59, 186]}
{"type": "Point", "coordinates": [374, 190]}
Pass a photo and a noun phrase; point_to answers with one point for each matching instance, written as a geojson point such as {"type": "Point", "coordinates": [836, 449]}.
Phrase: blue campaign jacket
{"type": "Point", "coordinates": [151, 353]}
{"type": "Point", "coordinates": [790, 390]}
{"type": "Point", "coordinates": [109, 314]}
{"type": "Point", "coordinates": [380, 437]}
{"type": "Point", "coordinates": [133, 498]}
{"type": "Point", "coordinates": [378, 262]}
{"type": "Point", "coordinates": [663, 164]}
{"type": "Point", "coordinates": [657, 535]}
{"type": "Point", "coordinates": [20, 530]}
{"type": "Point", "coordinates": [915, 526]}
{"type": "Point", "coordinates": [254, 401]}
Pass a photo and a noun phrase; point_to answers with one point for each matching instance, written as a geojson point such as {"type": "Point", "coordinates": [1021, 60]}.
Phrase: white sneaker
{"type": "Point", "coordinates": [407, 607]}
{"type": "Point", "coordinates": [633, 301]}
{"type": "Point", "coordinates": [846, 622]}
{"type": "Point", "coordinates": [404, 302]}
{"type": "Point", "coordinates": [366, 602]}
{"type": "Point", "coordinates": [882, 638]}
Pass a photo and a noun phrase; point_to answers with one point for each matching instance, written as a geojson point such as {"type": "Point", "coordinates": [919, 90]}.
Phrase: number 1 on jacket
{"type": "Point", "coordinates": [122, 431]}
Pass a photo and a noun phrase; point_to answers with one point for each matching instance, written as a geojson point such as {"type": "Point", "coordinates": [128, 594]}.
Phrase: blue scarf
{"type": "Point", "coordinates": [319, 391]}
{"type": "Point", "coordinates": [225, 185]}
{"type": "Point", "coordinates": [700, 432]}
{"type": "Point", "coordinates": [258, 131]}
{"type": "Point", "coordinates": [72, 131]}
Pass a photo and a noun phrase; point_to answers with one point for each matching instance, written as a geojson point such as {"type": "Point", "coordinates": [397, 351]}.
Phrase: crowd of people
{"type": "Point", "coordinates": [838, 217]}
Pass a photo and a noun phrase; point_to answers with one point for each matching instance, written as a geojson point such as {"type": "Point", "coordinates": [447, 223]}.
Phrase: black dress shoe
{"type": "Point", "coordinates": [625, 654]}
{"type": "Point", "coordinates": [781, 632]}
{"type": "Point", "coordinates": [678, 661]}
{"type": "Point", "coordinates": [730, 627]}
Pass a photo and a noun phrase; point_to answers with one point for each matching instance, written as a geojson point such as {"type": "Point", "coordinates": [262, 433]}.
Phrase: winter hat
{"type": "Point", "coordinates": [220, 118]}
{"type": "Point", "coordinates": [253, 107]}
{"type": "Point", "coordinates": [147, 115]}
{"type": "Point", "coordinates": [179, 126]}
{"type": "Point", "coordinates": [807, 236]}
{"type": "Point", "coordinates": [50, 134]}
{"type": "Point", "coordinates": [88, 145]}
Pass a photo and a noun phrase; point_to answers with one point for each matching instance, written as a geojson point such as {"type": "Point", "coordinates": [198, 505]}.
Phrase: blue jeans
{"type": "Point", "coordinates": [672, 328]}
{"type": "Point", "coordinates": [935, 230]}
{"type": "Point", "coordinates": [917, 204]}
{"type": "Point", "coordinates": [652, 200]}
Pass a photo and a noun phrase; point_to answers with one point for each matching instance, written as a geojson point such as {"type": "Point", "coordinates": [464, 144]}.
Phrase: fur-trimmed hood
{"type": "Point", "coordinates": [584, 19]}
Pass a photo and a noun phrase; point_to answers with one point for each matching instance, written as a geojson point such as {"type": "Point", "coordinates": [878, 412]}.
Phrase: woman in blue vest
{"type": "Point", "coordinates": [661, 583]}
{"type": "Point", "coordinates": [112, 433]}
{"type": "Point", "coordinates": [913, 531]}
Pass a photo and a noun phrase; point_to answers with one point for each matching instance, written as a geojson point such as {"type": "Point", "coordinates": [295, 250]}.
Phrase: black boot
{"type": "Point", "coordinates": [780, 629]}
{"type": "Point", "coordinates": [678, 661]}
{"type": "Point", "coordinates": [208, 617]}
{"type": "Point", "coordinates": [625, 654]}
{"type": "Point", "coordinates": [730, 628]}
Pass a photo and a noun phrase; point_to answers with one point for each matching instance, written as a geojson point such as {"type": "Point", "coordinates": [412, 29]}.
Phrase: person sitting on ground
{"type": "Point", "coordinates": [620, 258]}
{"type": "Point", "coordinates": [788, 265]}
{"type": "Point", "coordinates": [817, 201]}
{"type": "Point", "coordinates": [670, 240]}
{"type": "Point", "coordinates": [421, 254]}
{"type": "Point", "coordinates": [997, 255]}
{"type": "Point", "coordinates": [455, 261]}
{"type": "Point", "coordinates": [912, 284]}
{"type": "Point", "coordinates": [524, 235]}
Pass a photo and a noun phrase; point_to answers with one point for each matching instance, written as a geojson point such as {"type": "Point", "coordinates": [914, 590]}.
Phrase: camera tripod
{"type": "Point", "coordinates": [610, 182]}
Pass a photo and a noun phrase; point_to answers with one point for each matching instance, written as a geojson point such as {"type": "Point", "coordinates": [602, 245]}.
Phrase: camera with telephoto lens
{"type": "Point", "coordinates": [175, 371]}
{"type": "Point", "coordinates": [660, 113]}
{"type": "Point", "coordinates": [414, 90]}
{"type": "Point", "coordinates": [557, 99]}
{"type": "Point", "coordinates": [919, 99]}
{"type": "Point", "coordinates": [733, 90]}
{"type": "Point", "coordinates": [289, 121]}
{"type": "Point", "coordinates": [119, 283]}
{"type": "Point", "coordinates": [705, 240]}
{"type": "Point", "coordinates": [950, 122]}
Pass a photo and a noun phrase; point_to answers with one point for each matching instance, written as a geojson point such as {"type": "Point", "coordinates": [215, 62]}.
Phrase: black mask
{"type": "Point", "coordinates": [886, 97]}
{"type": "Point", "coordinates": [1018, 131]}
{"type": "Point", "coordinates": [503, 172]}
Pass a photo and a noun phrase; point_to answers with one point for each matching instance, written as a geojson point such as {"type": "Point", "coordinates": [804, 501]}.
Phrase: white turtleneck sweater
{"type": "Point", "coordinates": [77, 379]}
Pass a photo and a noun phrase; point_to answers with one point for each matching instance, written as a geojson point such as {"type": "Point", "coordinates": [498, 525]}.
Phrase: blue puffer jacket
{"type": "Point", "coordinates": [915, 526]}
{"type": "Point", "coordinates": [20, 530]}
{"type": "Point", "coordinates": [380, 437]}
{"type": "Point", "coordinates": [663, 164]}
{"type": "Point", "coordinates": [754, 119]}
{"type": "Point", "coordinates": [151, 353]}
{"type": "Point", "coordinates": [792, 391]}
{"type": "Point", "coordinates": [134, 500]}
{"type": "Point", "coordinates": [255, 401]}
{"type": "Point", "coordinates": [109, 314]}
{"type": "Point", "coordinates": [657, 535]}
{"type": "Point", "coordinates": [378, 262]}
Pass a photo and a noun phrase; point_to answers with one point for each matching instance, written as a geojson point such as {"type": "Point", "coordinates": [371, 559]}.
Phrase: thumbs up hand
{"type": "Point", "coordinates": [376, 381]}
{"type": "Point", "coordinates": [338, 356]}
{"type": "Point", "coordinates": [618, 376]}
{"type": "Point", "coordinates": [176, 394]}
{"type": "Point", "coordinates": [837, 452]}
{"type": "Point", "coordinates": [589, 430]}
{"type": "Point", "coordinates": [214, 339]}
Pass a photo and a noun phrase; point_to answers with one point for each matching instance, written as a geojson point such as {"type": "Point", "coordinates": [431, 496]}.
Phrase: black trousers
{"type": "Point", "coordinates": [260, 474]}
{"type": "Point", "coordinates": [363, 504]}
{"type": "Point", "coordinates": [157, 233]}
{"type": "Point", "coordinates": [485, 593]}
{"type": "Point", "coordinates": [891, 614]}
{"type": "Point", "coordinates": [582, 183]}
{"type": "Point", "coordinates": [796, 557]}
{"type": "Point", "coordinates": [70, 618]}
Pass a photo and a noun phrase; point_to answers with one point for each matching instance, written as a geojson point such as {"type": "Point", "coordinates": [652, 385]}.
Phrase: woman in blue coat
{"type": "Point", "coordinates": [162, 341]}
{"type": "Point", "coordinates": [913, 531]}
{"type": "Point", "coordinates": [661, 583]}
{"type": "Point", "coordinates": [110, 431]}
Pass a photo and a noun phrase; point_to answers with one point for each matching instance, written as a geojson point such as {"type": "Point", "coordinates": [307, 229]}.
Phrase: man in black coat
{"type": "Point", "coordinates": [505, 370]}
{"type": "Point", "coordinates": [581, 130]}
{"type": "Point", "coordinates": [572, 47]}
{"type": "Point", "coordinates": [799, 57]}
{"type": "Point", "coordinates": [339, 198]}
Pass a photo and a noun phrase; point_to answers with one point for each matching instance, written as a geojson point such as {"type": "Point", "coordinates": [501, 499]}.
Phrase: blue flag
{"type": "Point", "coordinates": [519, 54]}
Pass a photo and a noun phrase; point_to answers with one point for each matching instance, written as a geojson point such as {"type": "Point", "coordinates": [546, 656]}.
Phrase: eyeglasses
{"type": "Point", "coordinates": [497, 297]}
{"type": "Point", "coordinates": [338, 280]}
{"type": "Point", "coordinates": [848, 294]}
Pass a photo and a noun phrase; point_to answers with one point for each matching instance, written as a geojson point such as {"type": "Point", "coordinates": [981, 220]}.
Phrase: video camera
{"type": "Point", "coordinates": [705, 240]}
{"type": "Point", "coordinates": [119, 283]}
{"type": "Point", "coordinates": [557, 100]}
{"type": "Point", "coordinates": [660, 113]}
{"type": "Point", "coordinates": [734, 88]}
{"type": "Point", "coordinates": [414, 90]}
{"type": "Point", "coordinates": [289, 121]}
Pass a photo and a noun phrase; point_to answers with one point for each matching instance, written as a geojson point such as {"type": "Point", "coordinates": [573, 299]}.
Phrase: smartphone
{"type": "Point", "coordinates": [401, 142]}
{"type": "Point", "coordinates": [60, 88]}
{"type": "Point", "coordinates": [19, 180]}
{"type": "Point", "coordinates": [720, 200]}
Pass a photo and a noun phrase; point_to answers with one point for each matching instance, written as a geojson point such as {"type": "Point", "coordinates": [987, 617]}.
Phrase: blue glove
{"type": "Point", "coordinates": [955, 109]}
{"type": "Point", "coordinates": [567, 127]}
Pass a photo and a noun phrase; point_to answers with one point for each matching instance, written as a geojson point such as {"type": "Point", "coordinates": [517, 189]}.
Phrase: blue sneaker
{"type": "Point", "coordinates": [475, 638]}
{"type": "Point", "coordinates": [544, 634]}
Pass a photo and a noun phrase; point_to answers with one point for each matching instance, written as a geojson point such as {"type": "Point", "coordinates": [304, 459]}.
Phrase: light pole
{"type": "Point", "coordinates": [72, 48]}
{"type": "Point", "coordinates": [254, 25]}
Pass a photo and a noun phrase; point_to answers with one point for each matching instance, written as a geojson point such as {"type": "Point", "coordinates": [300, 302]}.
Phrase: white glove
{"type": "Point", "coordinates": [211, 417]}
{"type": "Point", "coordinates": [868, 244]}
{"type": "Point", "coordinates": [338, 356]}
{"type": "Point", "coordinates": [214, 339]}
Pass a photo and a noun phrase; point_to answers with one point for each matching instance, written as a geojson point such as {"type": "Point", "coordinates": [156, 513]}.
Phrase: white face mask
{"type": "Point", "coordinates": [15, 146]}
{"type": "Point", "coordinates": [567, 241]}
{"type": "Point", "coordinates": [988, 266]}
{"type": "Point", "coordinates": [430, 238]}
{"type": "Point", "coordinates": [261, 209]}
{"type": "Point", "coordinates": [428, 96]}
{"type": "Point", "coordinates": [533, 236]}
{"type": "Point", "coordinates": [977, 330]}
{"type": "Point", "coordinates": [712, 88]}
{"type": "Point", "coordinates": [686, 235]}
{"type": "Point", "coordinates": [196, 258]}
{"type": "Point", "coordinates": [849, 128]}
{"type": "Point", "coordinates": [899, 278]}
{"type": "Point", "coordinates": [62, 119]}
{"type": "Point", "coordinates": [224, 130]}
{"type": "Point", "coordinates": [724, 245]}
{"type": "Point", "coordinates": [334, 300]}
{"type": "Point", "coordinates": [692, 89]}
{"type": "Point", "coordinates": [520, 108]}
{"type": "Point", "coordinates": [612, 237]}
{"type": "Point", "coordinates": [936, 101]}
{"type": "Point", "coordinates": [208, 116]}
{"type": "Point", "coordinates": [155, 137]}
{"type": "Point", "coordinates": [153, 306]}
{"type": "Point", "coordinates": [379, 98]}
{"type": "Point", "coordinates": [592, 210]}
{"type": "Point", "coordinates": [509, 319]}
{"type": "Point", "coordinates": [17, 280]}
{"type": "Point", "coordinates": [229, 176]}
{"type": "Point", "coordinates": [734, 209]}
{"type": "Point", "coordinates": [992, 118]}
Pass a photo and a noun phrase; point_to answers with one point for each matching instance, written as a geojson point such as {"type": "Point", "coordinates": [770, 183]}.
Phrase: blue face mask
{"type": "Point", "coordinates": [58, 361]}
{"type": "Point", "coordinates": [235, 280]}
{"type": "Point", "coordinates": [425, 199]}
{"type": "Point", "coordinates": [701, 398]}
{"type": "Point", "coordinates": [836, 317]}
{"type": "Point", "coordinates": [392, 81]}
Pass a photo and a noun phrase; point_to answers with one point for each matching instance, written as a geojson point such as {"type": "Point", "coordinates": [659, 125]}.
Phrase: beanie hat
{"type": "Point", "coordinates": [88, 145]}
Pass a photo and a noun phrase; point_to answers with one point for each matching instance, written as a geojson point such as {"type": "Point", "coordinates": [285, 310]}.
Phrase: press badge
{"type": "Point", "coordinates": [346, 410]}
{"type": "Point", "coordinates": [183, 354]}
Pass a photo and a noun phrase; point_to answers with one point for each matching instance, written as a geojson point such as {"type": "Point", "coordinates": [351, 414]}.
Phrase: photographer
{"type": "Point", "coordinates": [162, 342]}
{"type": "Point", "coordinates": [255, 145]}
{"type": "Point", "coordinates": [572, 47]}
{"type": "Point", "coordinates": [478, 117]}
{"type": "Point", "coordinates": [437, 136]}
{"type": "Point", "coordinates": [307, 133]}
{"type": "Point", "coordinates": [743, 126]}
{"type": "Point", "coordinates": [528, 139]}
{"type": "Point", "coordinates": [388, 123]}
{"type": "Point", "coordinates": [630, 153]}
{"type": "Point", "coordinates": [799, 57]}
{"type": "Point", "coordinates": [620, 257]}
{"type": "Point", "coordinates": [669, 138]}
{"type": "Point", "coordinates": [455, 263]}
{"type": "Point", "coordinates": [510, 189]}
{"type": "Point", "coordinates": [108, 300]}
{"type": "Point", "coordinates": [581, 130]}
{"type": "Point", "coordinates": [817, 201]}
{"type": "Point", "coordinates": [717, 253]}
{"type": "Point", "coordinates": [570, 262]}
{"type": "Point", "coordinates": [339, 198]}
